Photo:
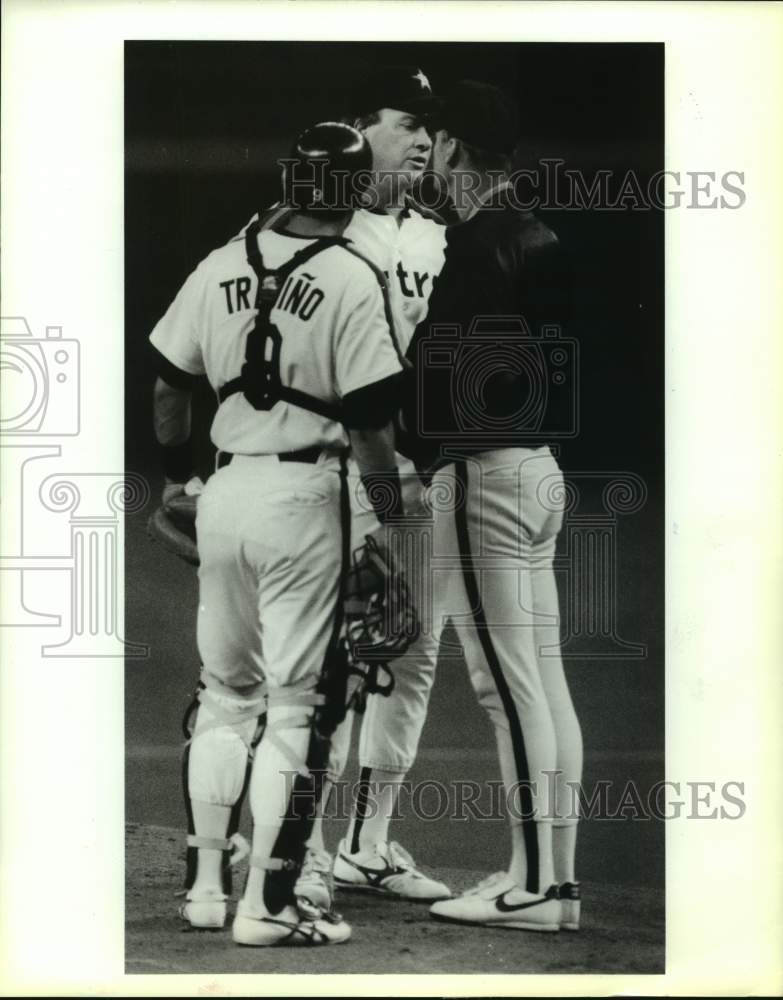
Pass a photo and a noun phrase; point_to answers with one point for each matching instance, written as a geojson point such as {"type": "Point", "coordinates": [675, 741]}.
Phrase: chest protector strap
{"type": "Point", "coordinates": [260, 378]}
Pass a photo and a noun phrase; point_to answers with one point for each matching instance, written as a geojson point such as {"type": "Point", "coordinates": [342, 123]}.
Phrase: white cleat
{"type": "Point", "coordinates": [204, 911]}
{"type": "Point", "coordinates": [498, 901]}
{"type": "Point", "coordinates": [570, 905]}
{"type": "Point", "coordinates": [315, 879]}
{"type": "Point", "coordinates": [388, 870]}
{"type": "Point", "coordinates": [301, 926]}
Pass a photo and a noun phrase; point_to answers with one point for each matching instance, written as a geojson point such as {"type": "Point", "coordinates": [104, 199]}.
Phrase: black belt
{"type": "Point", "coordinates": [309, 455]}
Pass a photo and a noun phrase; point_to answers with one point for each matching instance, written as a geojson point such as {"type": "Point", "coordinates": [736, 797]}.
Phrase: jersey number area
{"type": "Point", "coordinates": [261, 370]}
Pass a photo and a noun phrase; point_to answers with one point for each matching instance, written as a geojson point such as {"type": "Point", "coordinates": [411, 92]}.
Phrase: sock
{"type": "Point", "coordinates": [564, 849]}
{"type": "Point", "coordinates": [518, 869]}
{"type": "Point", "coordinates": [376, 797]}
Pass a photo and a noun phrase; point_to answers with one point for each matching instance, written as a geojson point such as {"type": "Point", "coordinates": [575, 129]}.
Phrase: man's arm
{"type": "Point", "coordinates": [368, 373]}
{"type": "Point", "coordinates": [171, 413]}
{"type": "Point", "coordinates": [373, 448]}
{"type": "Point", "coordinates": [172, 420]}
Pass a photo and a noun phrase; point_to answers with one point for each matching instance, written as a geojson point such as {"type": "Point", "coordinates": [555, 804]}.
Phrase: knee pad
{"type": "Point", "coordinates": [225, 732]}
{"type": "Point", "coordinates": [216, 766]}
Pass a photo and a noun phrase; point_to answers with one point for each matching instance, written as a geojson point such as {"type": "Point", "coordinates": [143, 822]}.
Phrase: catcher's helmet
{"type": "Point", "coordinates": [328, 169]}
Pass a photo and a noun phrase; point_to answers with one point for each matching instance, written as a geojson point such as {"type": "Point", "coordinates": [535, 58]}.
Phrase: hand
{"type": "Point", "coordinates": [194, 487]}
{"type": "Point", "coordinates": [171, 490]}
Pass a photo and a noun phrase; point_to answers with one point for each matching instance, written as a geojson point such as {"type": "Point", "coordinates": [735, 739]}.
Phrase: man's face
{"type": "Point", "coordinates": [400, 143]}
{"type": "Point", "coordinates": [441, 149]}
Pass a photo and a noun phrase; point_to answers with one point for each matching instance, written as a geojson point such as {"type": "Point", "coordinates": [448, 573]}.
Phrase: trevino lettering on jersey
{"type": "Point", "coordinates": [298, 295]}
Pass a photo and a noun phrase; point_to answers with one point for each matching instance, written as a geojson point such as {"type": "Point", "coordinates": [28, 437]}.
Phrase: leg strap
{"type": "Point", "coordinates": [235, 843]}
{"type": "Point", "coordinates": [222, 717]}
{"type": "Point", "coordinates": [273, 864]}
{"type": "Point", "coordinates": [284, 696]}
{"type": "Point", "coordinates": [303, 700]}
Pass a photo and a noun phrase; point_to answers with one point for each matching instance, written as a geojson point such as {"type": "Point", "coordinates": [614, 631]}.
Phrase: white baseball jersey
{"type": "Point", "coordinates": [409, 252]}
{"type": "Point", "coordinates": [334, 334]}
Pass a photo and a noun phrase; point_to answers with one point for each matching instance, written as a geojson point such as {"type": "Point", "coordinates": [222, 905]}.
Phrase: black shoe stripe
{"type": "Point", "coordinates": [374, 875]}
{"type": "Point", "coordinates": [505, 907]}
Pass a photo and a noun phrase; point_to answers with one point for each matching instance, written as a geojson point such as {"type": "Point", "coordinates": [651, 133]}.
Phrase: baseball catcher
{"type": "Point", "coordinates": [290, 327]}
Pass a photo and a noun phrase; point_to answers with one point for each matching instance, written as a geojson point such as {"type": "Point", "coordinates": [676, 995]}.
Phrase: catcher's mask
{"type": "Point", "coordinates": [380, 619]}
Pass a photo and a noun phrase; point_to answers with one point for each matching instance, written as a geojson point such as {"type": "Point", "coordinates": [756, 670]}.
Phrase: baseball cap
{"type": "Point", "coordinates": [481, 115]}
{"type": "Point", "coordinates": [404, 88]}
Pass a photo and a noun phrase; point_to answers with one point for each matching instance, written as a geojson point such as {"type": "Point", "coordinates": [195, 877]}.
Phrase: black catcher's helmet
{"type": "Point", "coordinates": [328, 170]}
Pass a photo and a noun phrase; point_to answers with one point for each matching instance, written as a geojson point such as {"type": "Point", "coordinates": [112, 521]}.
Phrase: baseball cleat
{"type": "Point", "coordinates": [207, 911]}
{"type": "Point", "coordinates": [499, 902]}
{"type": "Point", "coordinates": [303, 925]}
{"type": "Point", "coordinates": [315, 879]}
{"type": "Point", "coordinates": [386, 869]}
{"type": "Point", "coordinates": [570, 905]}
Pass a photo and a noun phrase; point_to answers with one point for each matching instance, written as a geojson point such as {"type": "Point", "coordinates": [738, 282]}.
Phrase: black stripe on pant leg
{"type": "Point", "coordinates": [361, 806]}
{"type": "Point", "coordinates": [506, 698]}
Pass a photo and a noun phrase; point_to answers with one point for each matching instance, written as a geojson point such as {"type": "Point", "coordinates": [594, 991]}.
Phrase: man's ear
{"type": "Point", "coordinates": [453, 151]}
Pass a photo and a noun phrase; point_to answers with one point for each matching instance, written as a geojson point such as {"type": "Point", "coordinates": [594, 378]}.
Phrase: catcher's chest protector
{"type": "Point", "coordinates": [260, 380]}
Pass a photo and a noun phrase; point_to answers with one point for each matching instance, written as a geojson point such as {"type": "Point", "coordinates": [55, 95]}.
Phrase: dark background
{"type": "Point", "coordinates": [205, 123]}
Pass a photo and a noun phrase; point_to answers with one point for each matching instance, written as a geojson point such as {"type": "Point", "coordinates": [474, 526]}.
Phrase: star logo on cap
{"type": "Point", "coordinates": [425, 83]}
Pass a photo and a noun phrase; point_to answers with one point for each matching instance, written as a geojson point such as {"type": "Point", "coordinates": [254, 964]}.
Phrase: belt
{"type": "Point", "coordinates": [308, 455]}
{"type": "Point", "coordinates": [530, 446]}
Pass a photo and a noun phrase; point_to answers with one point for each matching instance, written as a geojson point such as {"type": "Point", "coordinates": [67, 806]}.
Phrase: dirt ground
{"type": "Point", "coordinates": [620, 863]}
{"type": "Point", "coordinates": [623, 930]}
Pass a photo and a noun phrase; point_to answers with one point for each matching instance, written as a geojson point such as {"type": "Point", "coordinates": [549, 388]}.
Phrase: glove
{"type": "Point", "coordinates": [173, 524]}
{"type": "Point", "coordinates": [380, 619]}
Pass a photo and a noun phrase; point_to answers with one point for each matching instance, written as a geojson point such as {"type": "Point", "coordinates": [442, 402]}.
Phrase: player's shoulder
{"type": "Point", "coordinates": [533, 231]}
{"type": "Point", "coordinates": [421, 216]}
{"type": "Point", "coordinates": [221, 258]}
{"type": "Point", "coordinates": [354, 264]}
{"type": "Point", "coordinates": [264, 219]}
{"type": "Point", "coordinates": [528, 227]}
{"type": "Point", "coordinates": [506, 222]}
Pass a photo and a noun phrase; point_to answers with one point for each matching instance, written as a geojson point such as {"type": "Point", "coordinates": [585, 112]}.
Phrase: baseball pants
{"type": "Point", "coordinates": [269, 540]}
{"type": "Point", "coordinates": [391, 726]}
{"type": "Point", "coordinates": [494, 545]}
